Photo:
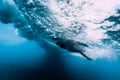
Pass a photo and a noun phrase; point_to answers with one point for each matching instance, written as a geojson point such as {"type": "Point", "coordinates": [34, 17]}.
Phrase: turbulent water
{"type": "Point", "coordinates": [92, 22]}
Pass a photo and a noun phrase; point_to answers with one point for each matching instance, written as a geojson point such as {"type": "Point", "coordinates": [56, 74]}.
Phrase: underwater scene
{"type": "Point", "coordinates": [59, 39]}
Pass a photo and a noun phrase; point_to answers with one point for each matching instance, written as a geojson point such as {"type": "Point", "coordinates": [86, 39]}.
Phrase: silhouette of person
{"type": "Point", "coordinates": [71, 45]}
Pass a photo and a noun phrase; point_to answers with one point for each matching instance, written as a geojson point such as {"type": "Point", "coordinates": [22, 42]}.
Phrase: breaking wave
{"type": "Point", "coordinates": [88, 21]}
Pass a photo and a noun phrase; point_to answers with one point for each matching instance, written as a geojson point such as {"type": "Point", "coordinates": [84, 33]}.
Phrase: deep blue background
{"type": "Point", "coordinates": [21, 59]}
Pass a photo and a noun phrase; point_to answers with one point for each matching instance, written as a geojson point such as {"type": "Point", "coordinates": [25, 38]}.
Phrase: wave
{"type": "Point", "coordinates": [83, 21]}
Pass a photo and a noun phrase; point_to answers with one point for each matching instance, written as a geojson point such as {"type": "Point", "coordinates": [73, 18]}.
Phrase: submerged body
{"type": "Point", "coordinates": [73, 46]}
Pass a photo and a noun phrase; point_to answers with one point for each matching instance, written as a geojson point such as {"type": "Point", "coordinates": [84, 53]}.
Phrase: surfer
{"type": "Point", "coordinates": [72, 46]}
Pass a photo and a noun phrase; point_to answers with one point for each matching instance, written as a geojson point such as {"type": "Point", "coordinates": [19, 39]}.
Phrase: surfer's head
{"type": "Point", "coordinates": [60, 44]}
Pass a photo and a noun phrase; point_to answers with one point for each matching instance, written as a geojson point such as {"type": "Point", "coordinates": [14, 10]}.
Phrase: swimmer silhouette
{"type": "Point", "coordinates": [72, 46]}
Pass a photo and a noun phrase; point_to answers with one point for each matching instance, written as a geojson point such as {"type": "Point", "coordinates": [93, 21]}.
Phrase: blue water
{"type": "Point", "coordinates": [25, 60]}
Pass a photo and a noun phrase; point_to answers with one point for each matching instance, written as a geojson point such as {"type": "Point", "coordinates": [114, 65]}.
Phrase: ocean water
{"type": "Point", "coordinates": [24, 56]}
{"type": "Point", "coordinates": [27, 60]}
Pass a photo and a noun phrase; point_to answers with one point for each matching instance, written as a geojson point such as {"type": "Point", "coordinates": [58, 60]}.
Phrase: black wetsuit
{"type": "Point", "coordinates": [71, 45]}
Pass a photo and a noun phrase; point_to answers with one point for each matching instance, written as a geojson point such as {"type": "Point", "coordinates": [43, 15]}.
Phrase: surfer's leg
{"type": "Point", "coordinates": [85, 55]}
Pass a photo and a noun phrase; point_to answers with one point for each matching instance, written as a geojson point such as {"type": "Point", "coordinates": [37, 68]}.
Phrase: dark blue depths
{"type": "Point", "coordinates": [26, 60]}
